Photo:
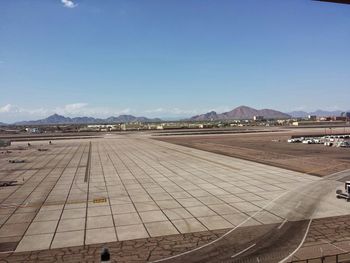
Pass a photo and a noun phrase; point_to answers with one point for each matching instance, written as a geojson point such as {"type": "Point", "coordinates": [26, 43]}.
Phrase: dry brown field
{"type": "Point", "coordinates": [273, 149]}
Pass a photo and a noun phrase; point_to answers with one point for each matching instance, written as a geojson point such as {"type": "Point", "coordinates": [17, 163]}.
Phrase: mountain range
{"type": "Point", "coordinates": [59, 119]}
{"type": "Point", "coordinates": [241, 112]}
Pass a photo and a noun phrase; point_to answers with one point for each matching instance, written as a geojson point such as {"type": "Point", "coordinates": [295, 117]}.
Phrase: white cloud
{"type": "Point", "coordinates": [5, 108]}
{"type": "Point", "coordinates": [333, 108]}
{"type": "Point", "coordinates": [125, 111]}
{"type": "Point", "coordinates": [68, 3]}
{"type": "Point", "coordinates": [75, 106]}
{"type": "Point", "coordinates": [171, 111]}
{"type": "Point", "coordinates": [186, 112]}
{"type": "Point", "coordinates": [8, 108]}
{"type": "Point", "coordinates": [83, 109]}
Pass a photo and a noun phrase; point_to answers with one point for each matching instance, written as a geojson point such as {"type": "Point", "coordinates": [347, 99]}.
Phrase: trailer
{"type": "Point", "coordinates": [344, 195]}
{"type": "Point", "coordinates": [42, 149]}
{"type": "Point", "coordinates": [16, 161]}
{"type": "Point", "coordinates": [7, 183]}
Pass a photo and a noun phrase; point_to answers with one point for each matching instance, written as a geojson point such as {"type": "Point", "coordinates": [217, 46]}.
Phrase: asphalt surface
{"type": "Point", "coordinates": [269, 243]}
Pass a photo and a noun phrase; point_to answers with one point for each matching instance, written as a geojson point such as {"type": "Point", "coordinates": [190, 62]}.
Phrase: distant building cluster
{"type": "Point", "coordinates": [313, 120]}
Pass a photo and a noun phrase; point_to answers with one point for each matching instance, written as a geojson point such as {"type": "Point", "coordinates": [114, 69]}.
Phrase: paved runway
{"type": "Point", "coordinates": [130, 187]}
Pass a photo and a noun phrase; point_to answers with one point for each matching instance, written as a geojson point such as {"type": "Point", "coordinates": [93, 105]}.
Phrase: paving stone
{"type": "Point", "coordinates": [123, 208]}
{"type": "Point", "coordinates": [168, 204]}
{"type": "Point", "coordinates": [67, 239]}
{"type": "Point", "coordinates": [189, 202]}
{"type": "Point", "coordinates": [127, 219]}
{"type": "Point", "coordinates": [99, 211]}
{"type": "Point", "coordinates": [177, 213]}
{"type": "Point", "coordinates": [71, 224]}
{"type": "Point", "coordinates": [36, 242]}
{"type": "Point", "coordinates": [21, 218]}
{"type": "Point", "coordinates": [199, 211]}
{"type": "Point", "coordinates": [74, 213]}
{"type": "Point", "coordinates": [130, 232]}
{"type": "Point", "coordinates": [44, 227]}
{"type": "Point", "coordinates": [160, 228]}
{"type": "Point", "coordinates": [100, 235]}
{"type": "Point", "coordinates": [152, 216]}
{"type": "Point", "coordinates": [214, 222]}
{"type": "Point", "coordinates": [99, 222]}
{"type": "Point", "coordinates": [48, 215]}
{"type": "Point", "coordinates": [189, 225]}
{"type": "Point", "coordinates": [223, 209]}
{"type": "Point", "coordinates": [9, 230]}
{"type": "Point", "coordinates": [146, 206]}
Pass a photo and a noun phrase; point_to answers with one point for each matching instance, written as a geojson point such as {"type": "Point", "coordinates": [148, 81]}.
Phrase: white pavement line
{"type": "Point", "coordinates": [8, 206]}
{"type": "Point", "coordinates": [337, 175]}
{"type": "Point", "coordinates": [301, 243]}
{"type": "Point", "coordinates": [12, 205]}
{"type": "Point", "coordinates": [335, 246]}
{"type": "Point", "coordinates": [244, 250]}
{"type": "Point", "coordinates": [282, 224]}
{"type": "Point", "coordinates": [219, 238]}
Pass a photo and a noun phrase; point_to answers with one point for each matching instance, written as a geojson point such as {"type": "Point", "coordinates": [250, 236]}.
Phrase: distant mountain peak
{"type": "Point", "coordinates": [245, 107]}
{"type": "Point", "coordinates": [55, 115]}
{"type": "Point", "coordinates": [242, 112]}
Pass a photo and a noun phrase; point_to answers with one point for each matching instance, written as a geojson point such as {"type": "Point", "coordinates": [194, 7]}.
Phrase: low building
{"type": "Point", "coordinates": [195, 126]}
{"type": "Point", "coordinates": [133, 126]}
{"type": "Point", "coordinates": [312, 117]}
{"type": "Point", "coordinates": [33, 130]}
{"type": "Point", "coordinates": [103, 127]}
{"type": "Point", "coordinates": [258, 118]}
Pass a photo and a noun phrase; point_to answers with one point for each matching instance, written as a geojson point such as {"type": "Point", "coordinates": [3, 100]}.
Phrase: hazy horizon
{"type": "Point", "coordinates": [106, 58]}
{"type": "Point", "coordinates": [165, 118]}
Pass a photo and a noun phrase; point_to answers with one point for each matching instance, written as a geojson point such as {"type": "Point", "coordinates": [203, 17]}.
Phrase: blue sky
{"type": "Point", "coordinates": [171, 58]}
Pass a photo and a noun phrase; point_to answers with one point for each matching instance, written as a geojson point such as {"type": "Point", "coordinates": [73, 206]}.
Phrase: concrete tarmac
{"type": "Point", "coordinates": [121, 187]}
